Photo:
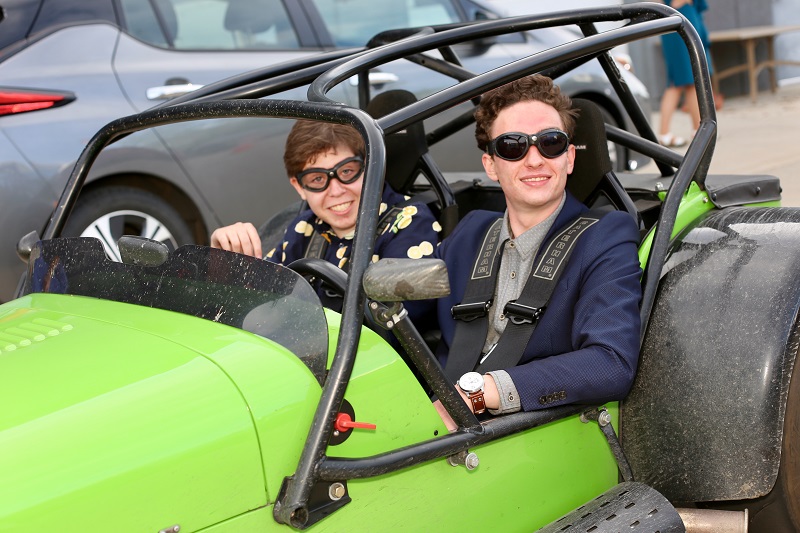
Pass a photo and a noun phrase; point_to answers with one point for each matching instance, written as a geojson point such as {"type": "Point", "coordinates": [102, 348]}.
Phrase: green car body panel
{"type": "Point", "coordinates": [695, 203]}
{"type": "Point", "coordinates": [165, 419]}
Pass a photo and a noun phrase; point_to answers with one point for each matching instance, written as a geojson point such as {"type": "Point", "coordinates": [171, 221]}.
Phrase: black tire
{"type": "Point", "coordinates": [108, 213]}
{"type": "Point", "coordinates": [617, 153]}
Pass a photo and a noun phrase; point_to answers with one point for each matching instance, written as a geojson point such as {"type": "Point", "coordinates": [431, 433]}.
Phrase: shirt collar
{"type": "Point", "coordinates": [529, 241]}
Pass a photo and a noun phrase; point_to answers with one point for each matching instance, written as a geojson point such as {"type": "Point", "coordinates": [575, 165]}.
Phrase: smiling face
{"type": "Point", "coordinates": [338, 204]}
{"type": "Point", "coordinates": [534, 185]}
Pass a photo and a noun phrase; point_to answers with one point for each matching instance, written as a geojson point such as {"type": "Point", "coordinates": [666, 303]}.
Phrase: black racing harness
{"type": "Point", "coordinates": [472, 314]}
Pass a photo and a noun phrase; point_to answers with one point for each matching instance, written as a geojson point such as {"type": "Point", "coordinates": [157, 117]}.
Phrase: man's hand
{"type": "Point", "coordinates": [241, 237]}
{"type": "Point", "coordinates": [490, 395]}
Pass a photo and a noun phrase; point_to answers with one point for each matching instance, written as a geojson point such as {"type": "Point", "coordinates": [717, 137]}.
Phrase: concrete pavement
{"type": "Point", "coordinates": [755, 138]}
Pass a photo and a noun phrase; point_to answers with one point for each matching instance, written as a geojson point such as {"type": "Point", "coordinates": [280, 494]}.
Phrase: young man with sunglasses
{"type": "Point", "coordinates": [582, 344]}
{"type": "Point", "coordinates": [325, 164]}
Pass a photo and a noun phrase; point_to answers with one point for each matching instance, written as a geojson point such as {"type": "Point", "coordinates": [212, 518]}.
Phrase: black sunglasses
{"type": "Point", "coordinates": [513, 146]}
{"type": "Point", "coordinates": [318, 179]}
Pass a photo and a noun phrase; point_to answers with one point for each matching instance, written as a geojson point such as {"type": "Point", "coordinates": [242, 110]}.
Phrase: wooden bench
{"type": "Point", "coordinates": [750, 37]}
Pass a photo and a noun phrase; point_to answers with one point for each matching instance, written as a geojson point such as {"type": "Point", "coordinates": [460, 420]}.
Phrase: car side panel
{"type": "Point", "coordinates": [76, 59]}
{"type": "Point", "coordinates": [529, 479]}
{"type": "Point", "coordinates": [46, 143]}
{"type": "Point", "coordinates": [30, 209]}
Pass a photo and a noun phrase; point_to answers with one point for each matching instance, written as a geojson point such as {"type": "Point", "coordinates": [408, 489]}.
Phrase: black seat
{"type": "Point", "coordinates": [404, 148]}
{"type": "Point", "coordinates": [407, 157]}
{"type": "Point", "coordinates": [593, 181]}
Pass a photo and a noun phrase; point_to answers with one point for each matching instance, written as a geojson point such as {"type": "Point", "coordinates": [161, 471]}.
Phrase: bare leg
{"type": "Point", "coordinates": [669, 103]}
{"type": "Point", "coordinates": [692, 106]}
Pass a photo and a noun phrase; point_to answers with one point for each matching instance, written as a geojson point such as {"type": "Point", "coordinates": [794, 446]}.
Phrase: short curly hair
{"type": "Point", "coordinates": [308, 139]}
{"type": "Point", "coordinates": [535, 87]}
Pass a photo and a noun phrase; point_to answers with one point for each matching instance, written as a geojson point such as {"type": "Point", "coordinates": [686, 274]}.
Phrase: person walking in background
{"type": "Point", "coordinates": [680, 81]}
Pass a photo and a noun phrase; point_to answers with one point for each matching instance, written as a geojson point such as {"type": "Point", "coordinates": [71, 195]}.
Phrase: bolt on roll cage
{"type": "Point", "coordinates": [241, 96]}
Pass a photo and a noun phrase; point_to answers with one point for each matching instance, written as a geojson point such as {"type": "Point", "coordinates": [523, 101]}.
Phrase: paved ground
{"type": "Point", "coordinates": [757, 138]}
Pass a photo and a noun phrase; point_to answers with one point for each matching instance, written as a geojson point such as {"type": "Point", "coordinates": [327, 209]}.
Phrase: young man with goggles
{"type": "Point", "coordinates": [583, 345]}
{"type": "Point", "coordinates": [325, 164]}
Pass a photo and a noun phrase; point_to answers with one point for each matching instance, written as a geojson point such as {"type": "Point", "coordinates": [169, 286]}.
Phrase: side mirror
{"type": "Point", "coordinates": [141, 251]}
{"type": "Point", "coordinates": [25, 244]}
{"type": "Point", "coordinates": [395, 280]}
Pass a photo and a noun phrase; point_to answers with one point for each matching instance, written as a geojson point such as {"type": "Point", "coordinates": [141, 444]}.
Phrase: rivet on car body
{"type": "Point", "coordinates": [336, 491]}
{"type": "Point", "coordinates": [171, 529]}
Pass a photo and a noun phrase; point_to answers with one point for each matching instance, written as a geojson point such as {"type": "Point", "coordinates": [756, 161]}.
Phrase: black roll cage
{"type": "Point", "coordinates": [240, 96]}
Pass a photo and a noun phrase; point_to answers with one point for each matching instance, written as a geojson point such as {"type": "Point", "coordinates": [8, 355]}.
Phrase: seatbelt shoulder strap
{"type": "Point", "coordinates": [471, 313]}
{"type": "Point", "coordinates": [524, 312]}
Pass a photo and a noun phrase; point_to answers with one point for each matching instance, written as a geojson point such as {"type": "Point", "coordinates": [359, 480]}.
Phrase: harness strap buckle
{"type": "Point", "coordinates": [522, 314]}
{"type": "Point", "coordinates": [469, 312]}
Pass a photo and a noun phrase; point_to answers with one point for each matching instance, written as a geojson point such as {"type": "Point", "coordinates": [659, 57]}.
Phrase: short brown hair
{"type": "Point", "coordinates": [535, 87]}
{"type": "Point", "coordinates": [310, 138]}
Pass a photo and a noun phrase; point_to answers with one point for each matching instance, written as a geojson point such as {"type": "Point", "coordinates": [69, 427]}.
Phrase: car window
{"type": "Point", "coordinates": [55, 12]}
{"type": "Point", "coordinates": [354, 22]}
{"type": "Point", "coordinates": [17, 17]}
{"type": "Point", "coordinates": [211, 24]}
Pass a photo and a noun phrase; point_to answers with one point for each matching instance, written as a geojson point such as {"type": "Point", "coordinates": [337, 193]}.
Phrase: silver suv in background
{"type": "Point", "coordinates": [68, 68]}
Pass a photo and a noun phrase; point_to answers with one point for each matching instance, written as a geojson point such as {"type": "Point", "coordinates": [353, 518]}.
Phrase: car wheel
{"type": "Point", "coordinates": [111, 212]}
{"type": "Point", "coordinates": [615, 152]}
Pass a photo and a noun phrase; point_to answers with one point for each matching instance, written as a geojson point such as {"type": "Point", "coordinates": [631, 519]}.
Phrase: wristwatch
{"type": "Point", "coordinates": [472, 384]}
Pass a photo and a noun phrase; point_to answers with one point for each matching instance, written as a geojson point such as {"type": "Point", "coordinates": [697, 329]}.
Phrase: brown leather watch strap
{"type": "Point", "coordinates": [478, 402]}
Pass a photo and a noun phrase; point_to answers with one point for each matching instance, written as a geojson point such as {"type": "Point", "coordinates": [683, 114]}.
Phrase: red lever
{"type": "Point", "coordinates": [345, 423]}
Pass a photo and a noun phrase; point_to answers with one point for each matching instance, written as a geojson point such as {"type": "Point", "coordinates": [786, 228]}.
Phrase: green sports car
{"type": "Point", "coordinates": [202, 390]}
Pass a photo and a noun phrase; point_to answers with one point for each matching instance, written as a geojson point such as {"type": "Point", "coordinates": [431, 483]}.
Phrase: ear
{"type": "Point", "coordinates": [488, 166]}
{"type": "Point", "coordinates": [301, 191]}
{"type": "Point", "coordinates": [571, 158]}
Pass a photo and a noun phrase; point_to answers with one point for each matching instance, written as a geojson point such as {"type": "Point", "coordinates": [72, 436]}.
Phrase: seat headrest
{"type": "Point", "coordinates": [592, 161]}
{"type": "Point", "coordinates": [404, 148]}
{"type": "Point", "coordinates": [249, 16]}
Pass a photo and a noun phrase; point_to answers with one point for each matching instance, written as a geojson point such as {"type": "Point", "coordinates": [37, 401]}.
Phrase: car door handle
{"type": "Point", "coordinates": [377, 78]}
{"type": "Point", "coordinates": [165, 92]}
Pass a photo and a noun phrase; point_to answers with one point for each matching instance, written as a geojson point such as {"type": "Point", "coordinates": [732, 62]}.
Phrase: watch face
{"type": "Point", "coordinates": [471, 382]}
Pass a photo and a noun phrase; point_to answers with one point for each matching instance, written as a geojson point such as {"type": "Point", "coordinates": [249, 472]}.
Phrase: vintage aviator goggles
{"type": "Point", "coordinates": [318, 179]}
{"type": "Point", "coordinates": [513, 146]}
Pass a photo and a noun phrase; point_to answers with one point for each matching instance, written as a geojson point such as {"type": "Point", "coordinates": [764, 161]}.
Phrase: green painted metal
{"type": "Point", "coordinates": [695, 202]}
{"type": "Point", "coordinates": [524, 482]}
{"type": "Point", "coordinates": [110, 422]}
{"type": "Point", "coordinates": [140, 419]}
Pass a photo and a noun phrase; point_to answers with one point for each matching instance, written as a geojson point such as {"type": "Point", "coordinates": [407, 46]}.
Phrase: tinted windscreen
{"type": "Point", "coordinates": [233, 289]}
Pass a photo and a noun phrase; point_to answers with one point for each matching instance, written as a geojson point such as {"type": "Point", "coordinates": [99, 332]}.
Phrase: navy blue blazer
{"type": "Point", "coordinates": [585, 348]}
